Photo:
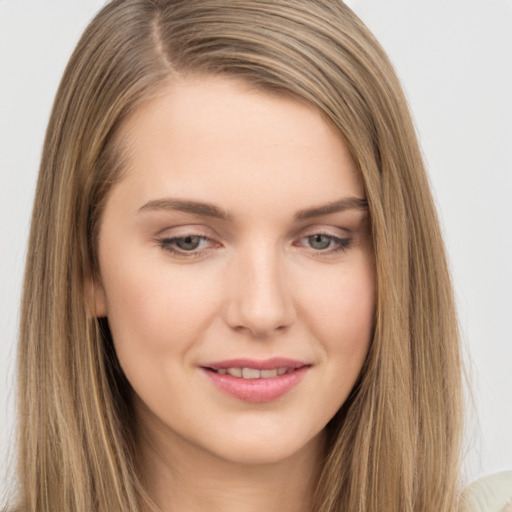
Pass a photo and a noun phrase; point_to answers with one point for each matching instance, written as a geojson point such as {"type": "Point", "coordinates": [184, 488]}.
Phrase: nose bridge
{"type": "Point", "coordinates": [260, 297]}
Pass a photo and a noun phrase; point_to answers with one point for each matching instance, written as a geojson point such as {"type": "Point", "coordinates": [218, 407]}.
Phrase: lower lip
{"type": "Point", "coordinates": [257, 390]}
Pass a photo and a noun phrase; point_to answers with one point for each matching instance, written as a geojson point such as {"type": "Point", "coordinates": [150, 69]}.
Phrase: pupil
{"type": "Point", "coordinates": [188, 243]}
{"type": "Point", "coordinates": [319, 241]}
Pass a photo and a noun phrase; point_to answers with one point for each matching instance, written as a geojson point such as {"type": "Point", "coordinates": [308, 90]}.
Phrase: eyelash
{"type": "Point", "coordinates": [341, 244]}
{"type": "Point", "coordinates": [169, 245]}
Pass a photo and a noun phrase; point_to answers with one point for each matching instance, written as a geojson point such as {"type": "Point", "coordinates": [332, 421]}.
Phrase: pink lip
{"type": "Point", "coordinates": [267, 364]}
{"type": "Point", "coordinates": [256, 390]}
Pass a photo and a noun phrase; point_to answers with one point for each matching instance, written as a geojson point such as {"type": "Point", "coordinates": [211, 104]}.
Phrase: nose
{"type": "Point", "coordinates": [260, 300]}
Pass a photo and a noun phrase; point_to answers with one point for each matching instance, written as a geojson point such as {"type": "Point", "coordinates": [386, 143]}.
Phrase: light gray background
{"type": "Point", "coordinates": [455, 60]}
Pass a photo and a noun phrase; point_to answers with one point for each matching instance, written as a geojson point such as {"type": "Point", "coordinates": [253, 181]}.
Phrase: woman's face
{"type": "Point", "coordinates": [236, 270]}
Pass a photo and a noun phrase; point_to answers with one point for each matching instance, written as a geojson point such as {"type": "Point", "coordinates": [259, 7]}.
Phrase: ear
{"type": "Point", "coordinates": [96, 297]}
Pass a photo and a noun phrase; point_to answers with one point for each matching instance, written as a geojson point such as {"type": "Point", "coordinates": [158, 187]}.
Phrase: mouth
{"type": "Point", "coordinates": [256, 381]}
{"type": "Point", "coordinates": [252, 373]}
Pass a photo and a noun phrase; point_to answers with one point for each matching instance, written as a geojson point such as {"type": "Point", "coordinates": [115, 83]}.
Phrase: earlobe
{"type": "Point", "coordinates": [97, 298]}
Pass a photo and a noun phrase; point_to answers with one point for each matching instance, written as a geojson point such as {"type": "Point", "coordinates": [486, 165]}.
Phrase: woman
{"type": "Point", "coordinates": [236, 268]}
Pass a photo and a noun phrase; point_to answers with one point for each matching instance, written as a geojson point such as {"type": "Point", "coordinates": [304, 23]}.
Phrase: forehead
{"type": "Point", "coordinates": [207, 135]}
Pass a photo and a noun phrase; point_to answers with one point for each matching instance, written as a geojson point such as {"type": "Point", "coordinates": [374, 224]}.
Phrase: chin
{"type": "Point", "coordinates": [261, 450]}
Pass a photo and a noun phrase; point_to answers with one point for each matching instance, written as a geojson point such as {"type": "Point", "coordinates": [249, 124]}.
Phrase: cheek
{"type": "Point", "coordinates": [152, 310]}
{"type": "Point", "coordinates": [344, 305]}
{"type": "Point", "coordinates": [343, 318]}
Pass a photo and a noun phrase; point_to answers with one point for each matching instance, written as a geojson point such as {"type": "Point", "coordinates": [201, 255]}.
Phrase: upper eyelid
{"type": "Point", "coordinates": [333, 232]}
{"type": "Point", "coordinates": [186, 229]}
{"type": "Point", "coordinates": [209, 233]}
{"type": "Point", "coordinates": [323, 230]}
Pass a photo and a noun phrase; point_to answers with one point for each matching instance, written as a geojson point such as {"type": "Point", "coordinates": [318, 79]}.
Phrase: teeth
{"type": "Point", "coordinates": [235, 372]}
{"type": "Point", "coordinates": [253, 373]}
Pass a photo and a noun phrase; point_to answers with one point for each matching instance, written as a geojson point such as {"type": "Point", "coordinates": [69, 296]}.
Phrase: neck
{"type": "Point", "coordinates": [181, 477]}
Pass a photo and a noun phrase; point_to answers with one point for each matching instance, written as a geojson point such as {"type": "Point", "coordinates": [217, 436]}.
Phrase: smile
{"type": "Point", "coordinates": [253, 373]}
{"type": "Point", "coordinates": [256, 381]}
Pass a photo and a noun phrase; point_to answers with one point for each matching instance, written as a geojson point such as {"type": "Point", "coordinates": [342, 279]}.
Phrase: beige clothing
{"type": "Point", "coordinates": [489, 494]}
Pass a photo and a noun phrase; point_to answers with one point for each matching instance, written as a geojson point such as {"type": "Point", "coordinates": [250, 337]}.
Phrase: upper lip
{"type": "Point", "coordinates": [258, 364]}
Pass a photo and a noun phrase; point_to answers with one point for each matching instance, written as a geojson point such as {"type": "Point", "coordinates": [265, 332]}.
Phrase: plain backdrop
{"type": "Point", "coordinates": [455, 61]}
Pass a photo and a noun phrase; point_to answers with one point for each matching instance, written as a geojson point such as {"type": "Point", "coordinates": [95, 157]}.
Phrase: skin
{"type": "Point", "coordinates": [258, 285]}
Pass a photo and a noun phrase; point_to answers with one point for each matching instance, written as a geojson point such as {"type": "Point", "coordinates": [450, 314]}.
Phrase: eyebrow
{"type": "Point", "coordinates": [211, 210]}
{"type": "Point", "coordinates": [183, 205]}
{"type": "Point", "coordinates": [348, 203]}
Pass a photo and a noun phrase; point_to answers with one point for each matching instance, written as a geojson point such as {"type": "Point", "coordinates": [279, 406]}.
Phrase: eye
{"type": "Point", "coordinates": [323, 243]}
{"type": "Point", "coordinates": [320, 242]}
{"type": "Point", "coordinates": [187, 243]}
{"type": "Point", "coordinates": [186, 246]}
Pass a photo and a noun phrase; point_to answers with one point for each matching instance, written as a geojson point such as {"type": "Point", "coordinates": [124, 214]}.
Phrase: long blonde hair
{"type": "Point", "coordinates": [394, 446]}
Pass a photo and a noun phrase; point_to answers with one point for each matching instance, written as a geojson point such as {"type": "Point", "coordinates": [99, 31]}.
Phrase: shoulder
{"type": "Point", "coordinates": [489, 494]}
